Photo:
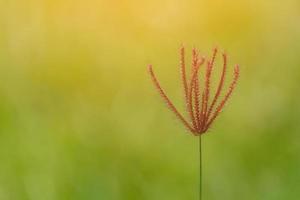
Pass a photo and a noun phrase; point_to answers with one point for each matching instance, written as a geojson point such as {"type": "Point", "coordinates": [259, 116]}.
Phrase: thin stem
{"type": "Point", "coordinates": [200, 168]}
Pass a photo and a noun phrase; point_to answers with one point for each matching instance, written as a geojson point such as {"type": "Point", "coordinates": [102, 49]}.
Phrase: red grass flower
{"type": "Point", "coordinates": [201, 110]}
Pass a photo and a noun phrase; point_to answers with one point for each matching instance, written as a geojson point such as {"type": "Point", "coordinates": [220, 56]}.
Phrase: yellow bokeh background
{"type": "Point", "coordinates": [80, 118]}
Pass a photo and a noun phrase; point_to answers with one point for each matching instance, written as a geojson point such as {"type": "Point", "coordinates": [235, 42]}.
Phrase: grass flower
{"type": "Point", "coordinates": [202, 107]}
{"type": "Point", "coordinates": [202, 113]}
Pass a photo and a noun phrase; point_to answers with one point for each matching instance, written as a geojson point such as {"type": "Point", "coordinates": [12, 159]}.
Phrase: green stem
{"type": "Point", "coordinates": [200, 168]}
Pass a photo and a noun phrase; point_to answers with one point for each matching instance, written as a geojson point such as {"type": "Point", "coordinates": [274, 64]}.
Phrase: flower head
{"type": "Point", "coordinates": [202, 107]}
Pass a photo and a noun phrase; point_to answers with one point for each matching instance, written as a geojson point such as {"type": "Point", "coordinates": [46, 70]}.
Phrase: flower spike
{"type": "Point", "coordinates": [201, 113]}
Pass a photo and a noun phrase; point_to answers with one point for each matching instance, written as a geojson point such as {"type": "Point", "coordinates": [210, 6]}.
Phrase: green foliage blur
{"type": "Point", "coordinates": [80, 119]}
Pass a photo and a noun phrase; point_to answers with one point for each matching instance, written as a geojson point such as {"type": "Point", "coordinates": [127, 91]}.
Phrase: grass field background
{"type": "Point", "coordinates": [80, 119]}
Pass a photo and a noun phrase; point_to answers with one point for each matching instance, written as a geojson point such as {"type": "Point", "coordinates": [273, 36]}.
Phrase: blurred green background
{"type": "Point", "coordinates": [80, 119]}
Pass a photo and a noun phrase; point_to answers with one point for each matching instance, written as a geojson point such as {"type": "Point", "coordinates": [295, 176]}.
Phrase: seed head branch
{"type": "Point", "coordinates": [195, 88]}
{"type": "Point", "coordinates": [183, 74]}
{"type": "Point", "coordinates": [206, 92]}
{"type": "Point", "coordinates": [193, 108]}
{"type": "Point", "coordinates": [220, 87]}
{"type": "Point", "coordinates": [226, 97]}
{"type": "Point", "coordinates": [167, 100]}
